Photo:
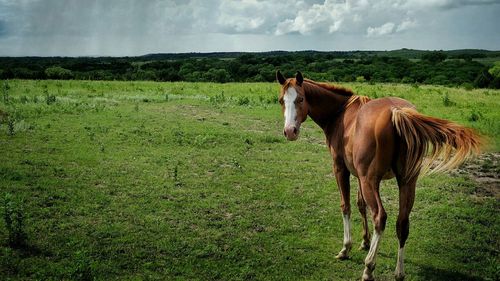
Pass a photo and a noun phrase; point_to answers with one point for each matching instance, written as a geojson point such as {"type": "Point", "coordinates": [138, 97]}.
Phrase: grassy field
{"type": "Point", "coordinates": [194, 181]}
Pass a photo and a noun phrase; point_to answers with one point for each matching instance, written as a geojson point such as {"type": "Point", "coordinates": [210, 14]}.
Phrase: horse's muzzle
{"type": "Point", "coordinates": [291, 133]}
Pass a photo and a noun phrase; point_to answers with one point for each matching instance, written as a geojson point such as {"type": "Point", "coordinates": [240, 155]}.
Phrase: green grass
{"type": "Point", "coordinates": [194, 181]}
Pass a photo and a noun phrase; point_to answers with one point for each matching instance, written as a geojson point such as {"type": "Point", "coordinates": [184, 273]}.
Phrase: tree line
{"type": "Point", "coordinates": [426, 67]}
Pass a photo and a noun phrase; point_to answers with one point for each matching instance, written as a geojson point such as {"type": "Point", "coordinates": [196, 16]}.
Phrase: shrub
{"type": "Point", "coordinates": [483, 79]}
{"type": "Point", "coordinates": [468, 86]}
{"type": "Point", "coordinates": [57, 72]}
{"type": "Point", "coordinates": [495, 83]}
{"type": "Point", "coordinates": [360, 79]}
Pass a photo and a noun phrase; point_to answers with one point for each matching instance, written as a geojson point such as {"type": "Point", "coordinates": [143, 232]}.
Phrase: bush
{"type": "Point", "coordinates": [495, 83]}
{"type": "Point", "coordinates": [495, 70]}
{"type": "Point", "coordinates": [57, 72]}
{"type": "Point", "coordinates": [467, 86]}
{"type": "Point", "coordinates": [483, 79]}
{"type": "Point", "coordinates": [434, 57]}
{"type": "Point", "coordinates": [360, 79]}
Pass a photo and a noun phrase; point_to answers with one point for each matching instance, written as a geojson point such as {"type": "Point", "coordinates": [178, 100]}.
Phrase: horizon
{"type": "Point", "coordinates": [254, 52]}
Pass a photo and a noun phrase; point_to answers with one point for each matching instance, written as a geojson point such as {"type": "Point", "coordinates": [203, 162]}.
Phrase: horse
{"type": "Point", "coordinates": [374, 140]}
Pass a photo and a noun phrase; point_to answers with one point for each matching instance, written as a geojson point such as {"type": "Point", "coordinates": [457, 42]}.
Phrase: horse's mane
{"type": "Point", "coordinates": [341, 91]}
{"type": "Point", "coordinates": [331, 87]}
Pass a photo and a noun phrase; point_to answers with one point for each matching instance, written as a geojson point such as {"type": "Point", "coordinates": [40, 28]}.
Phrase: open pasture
{"type": "Point", "coordinates": [195, 181]}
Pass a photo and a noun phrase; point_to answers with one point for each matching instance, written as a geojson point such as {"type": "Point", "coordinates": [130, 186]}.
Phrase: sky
{"type": "Point", "coordinates": [138, 27]}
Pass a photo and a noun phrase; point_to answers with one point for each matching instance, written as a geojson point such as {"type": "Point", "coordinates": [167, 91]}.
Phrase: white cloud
{"type": "Point", "coordinates": [328, 17]}
{"type": "Point", "coordinates": [406, 24]}
{"type": "Point", "coordinates": [248, 16]}
{"type": "Point", "coordinates": [386, 28]}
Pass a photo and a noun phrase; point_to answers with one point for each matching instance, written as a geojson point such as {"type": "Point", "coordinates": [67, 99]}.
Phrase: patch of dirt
{"type": "Point", "coordinates": [485, 170]}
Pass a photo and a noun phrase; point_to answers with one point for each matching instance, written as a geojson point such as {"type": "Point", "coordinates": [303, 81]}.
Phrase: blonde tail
{"type": "Point", "coordinates": [446, 143]}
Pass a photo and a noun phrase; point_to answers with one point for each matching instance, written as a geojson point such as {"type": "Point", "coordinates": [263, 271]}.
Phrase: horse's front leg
{"type": "Point", "coordinates": [342, 177]}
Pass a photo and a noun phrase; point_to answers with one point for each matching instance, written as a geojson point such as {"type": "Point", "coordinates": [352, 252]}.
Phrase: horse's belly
{"type": "Point", "coordinates": [388, 175]}
{"type": "Point", "coordinates": [350, 166]}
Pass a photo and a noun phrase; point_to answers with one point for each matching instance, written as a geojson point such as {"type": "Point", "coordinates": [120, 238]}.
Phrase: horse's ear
{"type": "Point", "coordinates": [281, 79]}
{"type": "Point", "coordinates": [299, 78]}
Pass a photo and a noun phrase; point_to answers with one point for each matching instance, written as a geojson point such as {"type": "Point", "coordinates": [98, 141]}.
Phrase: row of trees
{"type": "Point", "coordinates": [431, 68]}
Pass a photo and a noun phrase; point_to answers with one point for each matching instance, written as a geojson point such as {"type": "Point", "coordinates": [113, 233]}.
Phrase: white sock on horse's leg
{"type": "Point", "coordinates": [344, 253]}
{"type": "Point", "coordinates": [400, 270]}
{"type": "Point", "coordinates": [371, 256]}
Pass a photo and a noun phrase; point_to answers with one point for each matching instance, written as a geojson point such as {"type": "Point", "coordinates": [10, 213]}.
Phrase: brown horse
{"type": "Point", "coordinates": [374, 140]}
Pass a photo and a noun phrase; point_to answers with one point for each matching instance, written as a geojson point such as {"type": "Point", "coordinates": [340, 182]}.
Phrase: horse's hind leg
{"type": "Point", "coordinates": [365, 244]}
{"type": "Point", "coordinates": [370, 189]}
{"type": "Point", "coordinates": [406, 199]}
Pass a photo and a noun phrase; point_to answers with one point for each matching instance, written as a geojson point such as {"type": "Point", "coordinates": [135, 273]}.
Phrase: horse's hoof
{"type": "Point", "coordinates": [399, 277]}
{"type": "Point", "coordinates": [368, 272]}
{"type": "Point", "coordinates": [366, 278]}
{"type": "Point", "coordinates": [342, 256]}
{"type": "Point", "coordinates": [364, 246]}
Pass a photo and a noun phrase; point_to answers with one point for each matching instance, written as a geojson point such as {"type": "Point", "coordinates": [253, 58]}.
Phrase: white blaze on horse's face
{"type": "Point", "coordinates": [292, 125]}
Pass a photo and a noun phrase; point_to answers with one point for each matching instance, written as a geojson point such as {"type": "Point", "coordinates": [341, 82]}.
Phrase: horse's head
{"type": "Point", "coordinates": [293, 104]}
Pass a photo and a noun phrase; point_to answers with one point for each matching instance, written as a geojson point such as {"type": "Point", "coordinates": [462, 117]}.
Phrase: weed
{"type": "Point", "coordinates": [468, 86]}
{"type": "Point", "coordinates": [14, 220]}
{"type": "Point", "coordinates": [447, 101]}
{"type": "Point", "coordinates": [243, 100]}
{"type": "Point", "coordinates": [177, 181]}
{"type": "Point", "coordinates": [475, 115]}
{"type": "Point", "coordinates": [218, 98]}
{"type": "Point", "coordinates": [49, 98]}
{"type": "Point", "coordinates": [136, 107]}
{"type": "Point", "coordinates": [271, 139]}
{"type": "Point", "coordinates": [82, 269]}
{"type": "Point", "coordinates": [5, 92]}
{"type": "Point", "coordinates": [23, 99]}
{"type": "Point", "coordinates": [21, 126]}
{"type": "Point", "coordinates": [11, 126]}
{"type": "Point", "coordinates": [179, 136]}
{"type": "Point", "coordinates": [205, 140]}
{"type": "Point", "coordinates": [236, 164]}
{"type": "Point", "coordinates": [273, 100]}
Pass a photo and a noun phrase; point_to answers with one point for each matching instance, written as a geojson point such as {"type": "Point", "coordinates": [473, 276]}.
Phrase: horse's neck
{"type": "Point", "coordinates": [325, 106]}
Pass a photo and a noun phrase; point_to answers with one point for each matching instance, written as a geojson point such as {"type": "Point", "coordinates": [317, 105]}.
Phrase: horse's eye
{"type": "Point", "coordinates": [281, 101]}
{"type": "Point", "coordinates": [299, 99]}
